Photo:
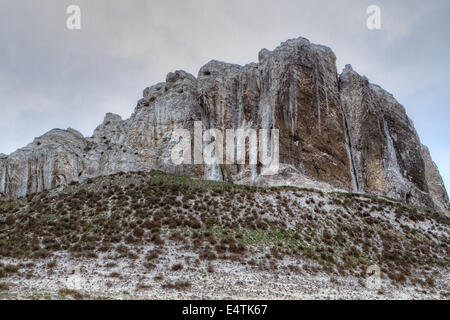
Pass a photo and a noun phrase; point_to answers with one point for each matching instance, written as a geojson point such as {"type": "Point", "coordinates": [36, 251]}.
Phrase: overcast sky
{"type": "Point", "coordinates": [54, 77]}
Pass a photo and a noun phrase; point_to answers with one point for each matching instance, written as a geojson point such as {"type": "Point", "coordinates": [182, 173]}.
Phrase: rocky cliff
{"type": "Point", "coordinates": [335, 131]}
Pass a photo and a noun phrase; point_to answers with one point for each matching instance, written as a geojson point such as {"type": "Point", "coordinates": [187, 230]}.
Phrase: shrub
{"type": "Point", "coordinates": [42, 253]}
{"type": "Point", "coordinates": [115, 275]}
{"type": "Point", "coordinates": [69, 292]}
{"type": "Point", "coordinates": [178, 266]}
{"type": "Point", "coordinates": [152, 255]}
{"type": "Point", "coordinates": [138, 232]}
{"type": "Point", "coordinates": [158, 277]}
{"type": "Point", "coordinates": [179, 285]}
{"type": "Point", "coordinates": [4, 286]}
{"type": "Point", "coordinates": [429, 281]}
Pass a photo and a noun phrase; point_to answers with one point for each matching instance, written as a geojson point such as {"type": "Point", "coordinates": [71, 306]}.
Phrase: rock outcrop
{"type": "Point", "coordinates": [293, 89]}
{"type": "Point", "coordinates": [335, 131]}
{"type": "Point", "coordinates": [434, 182]}
{"type": "Point", "coordinates": [387, 157]}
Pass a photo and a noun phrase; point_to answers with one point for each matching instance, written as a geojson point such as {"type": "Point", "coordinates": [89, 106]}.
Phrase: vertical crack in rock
{"type": "Point", "coordinates": [316, 84]}
{"type": "Point", "coordinates": [348, 145]}
{"type": "Point", "coordinates": [391, 160]}
{"type": "Point", "coordinates": [293, 102]}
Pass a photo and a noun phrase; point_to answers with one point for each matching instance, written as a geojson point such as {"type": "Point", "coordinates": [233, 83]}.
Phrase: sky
{"type": "Point", "coordinates": [53, 77]}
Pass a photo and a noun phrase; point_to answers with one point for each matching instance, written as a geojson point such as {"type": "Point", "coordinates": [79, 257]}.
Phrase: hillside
{"type": "Point", "coordinates": [156, 235]}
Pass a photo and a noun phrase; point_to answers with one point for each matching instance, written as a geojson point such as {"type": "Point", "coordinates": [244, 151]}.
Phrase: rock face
{"type": "Point", "coordinates": [434, 181]}
{"type": "Point", "coordinates": [387, 156]}
{"type": "Point", "coordinates": [293, 89]}
{"type": "Point", "coordinates": [335, 131]}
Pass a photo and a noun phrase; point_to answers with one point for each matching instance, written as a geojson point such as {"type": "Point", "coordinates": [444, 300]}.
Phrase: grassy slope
{"type": "Point", "coordinates": [139, 216]}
